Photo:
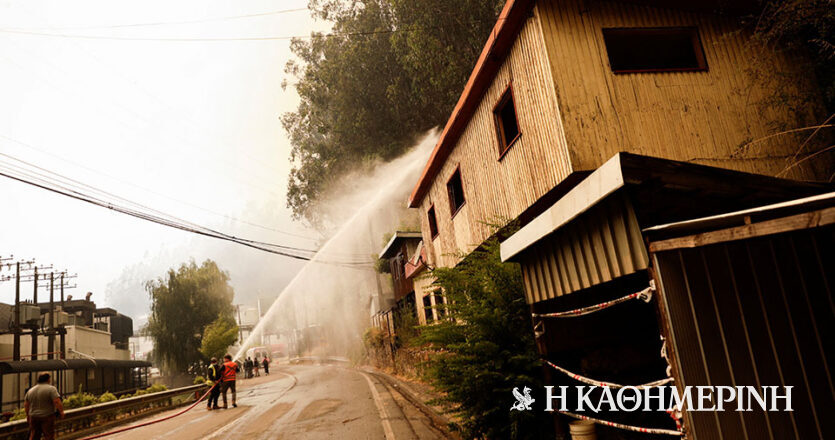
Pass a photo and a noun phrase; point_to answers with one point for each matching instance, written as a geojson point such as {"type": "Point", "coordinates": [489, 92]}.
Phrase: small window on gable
{"type": "Point", "coordinates": [433, 222]}
{"type": "Point", "coordinates": [455, 190]}
{"type": "Point", "coordinates": [507, 126]}
{"type": "Point", "coordinates": [635, 50]}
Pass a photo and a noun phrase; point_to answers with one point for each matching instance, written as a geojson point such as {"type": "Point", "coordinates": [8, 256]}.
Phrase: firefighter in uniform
{"type": "Point", "coordinates": [227, 374]}
{"type": "Point", "coordinates": [214, 382]}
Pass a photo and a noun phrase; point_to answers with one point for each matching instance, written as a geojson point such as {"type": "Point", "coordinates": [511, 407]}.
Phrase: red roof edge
{"type": "Point", "coordinates": [498, 45]}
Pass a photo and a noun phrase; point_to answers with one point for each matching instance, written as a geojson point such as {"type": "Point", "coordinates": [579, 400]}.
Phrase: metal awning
{"type": "Point", "coordinates": [662, 191]}
{"type": "Point", "coordinates": [398, 236]}
{"type": "Point", "coordinates": [737, 218]}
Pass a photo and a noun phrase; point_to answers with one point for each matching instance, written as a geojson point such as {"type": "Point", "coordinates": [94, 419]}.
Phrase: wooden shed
{"type": "Point", "coordinates": [746, 299]}
{"type": "Point", "coordinates": [589, 247]}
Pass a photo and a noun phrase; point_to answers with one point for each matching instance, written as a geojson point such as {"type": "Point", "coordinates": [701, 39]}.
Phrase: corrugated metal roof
{"type": "Point", "coordinates": [738, 217]}
{"type": "Point", "coordinates": [397, 238]}
{"type": "Point", "coordinates": [602, 244]}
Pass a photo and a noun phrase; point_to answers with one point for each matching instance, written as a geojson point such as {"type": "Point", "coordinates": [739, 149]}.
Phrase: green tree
{"type": "Point", "coordinates": [388, 71]}
{"type": "Point", "coordinates": [804, 25]}
{"type": "Point", "coordinates": [218, 336]}
{"type": "Point", "coordinates": [486, 348]}
{"type": "Point", "coordinates": [183, 304]}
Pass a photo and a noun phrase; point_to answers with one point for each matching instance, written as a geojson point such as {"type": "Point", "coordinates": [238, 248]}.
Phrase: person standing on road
{"type": "Point", "coordinates": [257, 366]}
{"type": "Point", "coordinates": [42, 403]}
{"type": "Point", "coordinates": [214, 382]}
{"type": "Point", "coordinates": [248, 368]}
{"type": "Point", "coordinates": [266, 364]}
{"type": "Point", "coordinates": [228, 373]}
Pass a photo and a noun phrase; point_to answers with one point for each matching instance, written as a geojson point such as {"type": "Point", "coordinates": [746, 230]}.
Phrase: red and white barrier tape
{"type": "Point", "coordinates": [589, 381]}
{"type": "Point", "coordinates": [644, 295]}
{"type": "Point", "coordinates": [626, 427]}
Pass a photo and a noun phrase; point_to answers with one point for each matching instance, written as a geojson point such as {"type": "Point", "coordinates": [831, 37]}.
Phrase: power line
{"type": "Point", "coordinates": [41, 181]}
{"type": "Point", "coordinates": [149, 190]}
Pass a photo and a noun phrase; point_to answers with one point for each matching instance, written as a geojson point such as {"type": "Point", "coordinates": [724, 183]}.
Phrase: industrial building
{"type": "Point", "coordinates": [84, 347]}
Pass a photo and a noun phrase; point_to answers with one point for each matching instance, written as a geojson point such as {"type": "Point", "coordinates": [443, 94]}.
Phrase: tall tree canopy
{"type": "Point", "coordinates": [183, 304]}
{"type": "Point", "coordinates": [388, 71]}
{"type": "Point", "coordinates": [218, 336]}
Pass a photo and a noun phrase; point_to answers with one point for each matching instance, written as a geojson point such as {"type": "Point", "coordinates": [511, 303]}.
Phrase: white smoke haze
{"type": "Point", "coordinates": [338, 297]}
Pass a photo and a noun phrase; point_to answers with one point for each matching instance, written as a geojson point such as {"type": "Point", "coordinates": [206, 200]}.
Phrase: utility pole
{"type": "Point", "coordinates": [35, 329]}
{"type": "Point", "coordinates": [19, 325]}
{"type": "Point", "coordinates": [63, 333]}
{"type": "Point", "coordinates": [16, 348]}
{"type": "Point", "coordinates": [51, 338]}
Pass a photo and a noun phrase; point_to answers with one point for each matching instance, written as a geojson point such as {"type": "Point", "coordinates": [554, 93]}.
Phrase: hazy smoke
{"type": "Point", "coordinates": [338, 298]}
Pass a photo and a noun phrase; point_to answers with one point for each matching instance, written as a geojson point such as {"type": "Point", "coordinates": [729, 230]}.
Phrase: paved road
{"type": "Point", "coordinates": [301, 402]}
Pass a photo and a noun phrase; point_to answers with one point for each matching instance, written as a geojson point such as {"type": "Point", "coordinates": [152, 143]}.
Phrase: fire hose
{"type": "Point", "coordinates": [128, 428]}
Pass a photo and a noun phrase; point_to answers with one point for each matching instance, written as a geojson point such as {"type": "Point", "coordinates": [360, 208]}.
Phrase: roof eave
{"type": "Point", "coordinates": [498, 45]}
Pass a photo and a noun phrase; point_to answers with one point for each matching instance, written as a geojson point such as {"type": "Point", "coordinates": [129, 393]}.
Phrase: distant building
{"type": "Point", "coordinates": [87, 348]}
{"type": "Point", "coordinates": [398, 252]}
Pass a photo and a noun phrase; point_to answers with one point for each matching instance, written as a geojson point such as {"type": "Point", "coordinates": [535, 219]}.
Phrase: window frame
{"type": "Point", "coordinates": [695, 39]}
{"type": "Point", "coordinates": [453, 209]}
{"type": "Point", "coordinates": [428, 313]}
{"type": "Point", "coordinates": [504, 144]}
{"type": "Point", "coordinates": [433, 232]}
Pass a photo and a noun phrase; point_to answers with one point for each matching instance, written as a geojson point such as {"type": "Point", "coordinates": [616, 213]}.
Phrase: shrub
{"type": "Point", "coordinates": [374, 338]}
{"type": "Point", "coordinates": [19, 414]}
{"type": "Point", "coordinates": [107, 397]}
{"type": "Point", "coordinates": [79, 400]}
{"type": "Point", "coordinates": [487, 348]}
{"type": "Point", "coordinates": [155, 388]}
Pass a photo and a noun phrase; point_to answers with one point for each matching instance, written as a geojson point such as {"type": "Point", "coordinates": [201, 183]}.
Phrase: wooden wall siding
{"type": "Point", "coordinates": [498, 191]}
{"type": "Point", "coordinates": [701, 117]}
{"type": "Point", "coordinates": [755, 312]}
{"type": "Point", "coordinates": [602, 244]}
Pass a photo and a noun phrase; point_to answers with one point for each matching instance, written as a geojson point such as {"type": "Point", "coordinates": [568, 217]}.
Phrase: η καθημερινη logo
{"type": "Point", "coordinates": [523, 401]}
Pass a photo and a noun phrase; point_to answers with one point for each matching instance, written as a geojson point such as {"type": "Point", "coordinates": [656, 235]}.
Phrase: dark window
{"type": "Point", "coordinates": [455, 189]}
{"type": "Point", "coordinates": [427, 309]}
{"type": "Point", "coordinates": [439, 305]}
{"type": "Point", "coordinates": [507, 126]}
{"type": "Point", "coordinates": [654, 50]}
{"type": "Point", "coordinates": [433, 222]}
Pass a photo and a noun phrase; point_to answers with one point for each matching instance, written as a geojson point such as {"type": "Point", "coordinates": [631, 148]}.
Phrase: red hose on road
{"type": "Point", "coordinates": [152, 421]}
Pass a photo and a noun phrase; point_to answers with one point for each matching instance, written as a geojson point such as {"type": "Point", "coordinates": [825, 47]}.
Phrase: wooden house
{"type": "Point", "coordinates": [590, 123]}
{"type": "Point", "coordinates": [398, 252]}
{"type": "Point", "coordinates": [563, 85]}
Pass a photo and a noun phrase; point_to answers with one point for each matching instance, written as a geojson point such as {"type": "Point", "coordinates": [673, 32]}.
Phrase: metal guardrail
{"type": "Point", "coordinates": [79, 422]}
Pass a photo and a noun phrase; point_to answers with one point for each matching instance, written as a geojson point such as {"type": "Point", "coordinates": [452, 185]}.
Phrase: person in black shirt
{"type": "Point", "coordinates": [214, 382]}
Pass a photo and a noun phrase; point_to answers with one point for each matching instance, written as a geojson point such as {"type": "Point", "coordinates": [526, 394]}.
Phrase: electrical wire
{"type": "Point", "coordinates": [151, 191]}
{"type": "Point", "coordinates": [43, 181]}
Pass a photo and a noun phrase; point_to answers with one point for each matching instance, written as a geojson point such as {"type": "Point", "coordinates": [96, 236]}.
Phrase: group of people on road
{"type": "Point", "coordinates": [252, 368]}
{"type": "Point", "coordinates": [222, 379]}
